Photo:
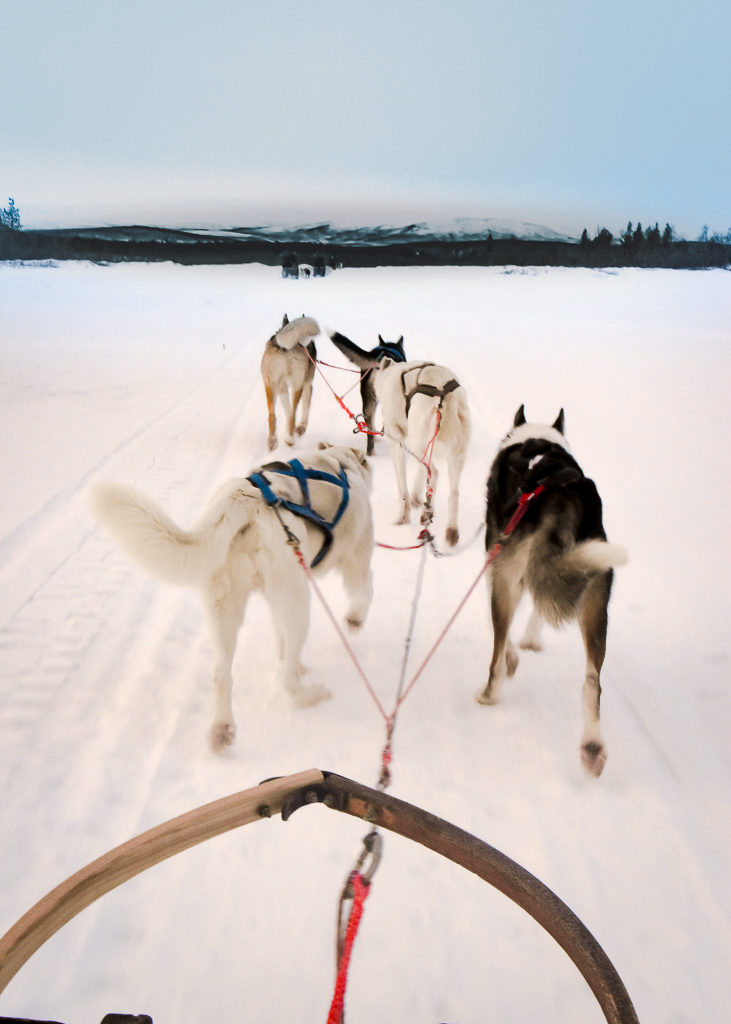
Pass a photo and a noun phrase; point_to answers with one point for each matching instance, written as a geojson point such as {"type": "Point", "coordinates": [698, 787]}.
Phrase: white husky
{"type": "Point", "coordinates": [417, 399]}
{"type": "Point", "coordinates": [288, 368]}
{"type": "Point", "coordinates": [238, 546]}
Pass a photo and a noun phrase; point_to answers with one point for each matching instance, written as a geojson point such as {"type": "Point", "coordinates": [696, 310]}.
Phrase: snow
{"type": "Point", "coordinates": [150, 375]}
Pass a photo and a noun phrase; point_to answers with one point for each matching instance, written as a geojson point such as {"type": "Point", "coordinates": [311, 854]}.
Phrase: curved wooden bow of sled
{"type": "Point", "coordinates": [284, 796]}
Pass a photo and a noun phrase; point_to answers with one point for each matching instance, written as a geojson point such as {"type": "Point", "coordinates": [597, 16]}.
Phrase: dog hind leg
{"type": "Point", "coordinates": [427, 474]}
{"type": "Point", "coordinates": [369, 401]}
{"type": "Point", "coordinates": [455, 465]}
{"type": "Point", "coordinates": [398, 457]}
{"type": "Point", "coordinates": [506, 592]}
{"type": "Point", "coordinates": [271, 409]}
{"type": "Point", "coordinates": [593, 623]}
{"type": "Point", "coordinates": [225, 605]}
{"type": "Point", "coordinates": [306, 402]}
{"type": "Point", "coordinates": [531, 638]}
{"type": "Point", "coordinates": [288, 597]}
{"type": "Point", "coordinates": [290, 411]}
{"type": "Point", "coordinates": [358, 581]}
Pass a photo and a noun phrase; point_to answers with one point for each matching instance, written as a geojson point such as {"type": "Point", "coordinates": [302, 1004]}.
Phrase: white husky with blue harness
{"type": "Point", "coordinates": [304, 509]}
{"type": "Point", "coordinates": [238, 546]}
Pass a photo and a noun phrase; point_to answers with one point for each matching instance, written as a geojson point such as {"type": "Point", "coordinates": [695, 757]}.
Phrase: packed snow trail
{"type": "Point", "coordinates": [150, 375]}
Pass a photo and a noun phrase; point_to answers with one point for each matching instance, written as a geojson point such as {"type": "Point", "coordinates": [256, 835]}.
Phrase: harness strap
{"type": "Point", "coordinates": [431, 390]}
{"type": "Point", "coordinates": [302, 475]}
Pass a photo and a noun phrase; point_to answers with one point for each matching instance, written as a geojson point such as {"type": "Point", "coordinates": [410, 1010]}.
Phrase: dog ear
{"type": "Point", "coordinates": [519, 417]}
{"type": "Point", "coordinates": [285, 321]}
{"type": "Point", "coordinates": [400, 343]}
{"type": "Point", "coordinates": [559, 424]}
{"type": "Point", "coordinates": [380, 340]}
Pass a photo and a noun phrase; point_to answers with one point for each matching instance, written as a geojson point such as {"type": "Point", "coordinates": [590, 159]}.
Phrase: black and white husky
{"type": "Point", "coordinates": [558, 552]}
{"type": "Point", "coordinates": [238, 546]}
{"type": "Point", "coordinates": [367, 361]}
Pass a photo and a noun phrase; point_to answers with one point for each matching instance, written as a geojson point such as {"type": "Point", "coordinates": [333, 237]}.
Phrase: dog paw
{"type": "Point", "coordinates": [308, 695]}
{"type": "Point", "coordinates": [593, 757]}
{"type": "Point", "coordinates": [221, 736]}
{"type": "Point", "coordinates": [300, 429]}
{"type": "Point", "coordinates": [272, 444]}
{"type": "Point", "coordinates": [486, 697]}
{"type": "Point", "coordinates": [354, 621]}
{"type": "Point", "coordinates": [452, 536]}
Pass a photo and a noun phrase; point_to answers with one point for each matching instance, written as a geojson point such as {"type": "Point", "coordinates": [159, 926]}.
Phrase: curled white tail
{"type": "Point", "coordinates": [146, 532]}
{"type": "Point", "coordinates": [297, 332]}
{"type": "Point", "coordinates": [597, 554]}
{"type": "Point", "coordinates": [558, 577]}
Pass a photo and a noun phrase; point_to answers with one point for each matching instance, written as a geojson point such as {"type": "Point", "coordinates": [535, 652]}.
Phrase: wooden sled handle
{"type": "Point", "coordinates": [131, 858]}
{"type": "Point", "coordinates": [284, 796]}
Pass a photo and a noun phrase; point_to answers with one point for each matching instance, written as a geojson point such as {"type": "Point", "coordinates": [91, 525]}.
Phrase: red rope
{"type": "Point", "coordinates": [521, 509]}
{"type": "Point", "coordinates": [357, 883]}
{"type": "Point", "coordinates": [424, 538]}
{"type": "Point", "coordinates": [360, 892]}
{"type": "Point", "coordinates": [332, 366]}
{"type": "Point", "coordinates": [338, 630]}
{"type": "Point", "coordinates": [361, 426]}
{"type": "Point", "coordinates": [429, 450]}
{"type": "Point", "coordinates": [396, 547]}
{"type": "Point", "coordinates": [495, 550]}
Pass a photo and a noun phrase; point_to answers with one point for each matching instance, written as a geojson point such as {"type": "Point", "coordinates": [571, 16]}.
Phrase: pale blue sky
{"type": "Point", "coordinates": [564, 113]}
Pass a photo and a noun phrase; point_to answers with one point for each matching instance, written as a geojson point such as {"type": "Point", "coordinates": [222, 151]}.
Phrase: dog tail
{"type": "Point", "coordinates": [296, 332]}
{"type": "Point", "coordinates": [558, 575]}
{"type": "Point", "coordinates": [146, 533]}
{"type": "Point", "coordinates": [362, 359]}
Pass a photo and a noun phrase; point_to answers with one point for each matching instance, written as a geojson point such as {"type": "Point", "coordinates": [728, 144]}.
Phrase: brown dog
{"type": "Point", "coordinates": [288, 368]}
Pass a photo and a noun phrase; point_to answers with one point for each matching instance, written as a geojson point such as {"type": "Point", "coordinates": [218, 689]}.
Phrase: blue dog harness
{"type": "Point", "coordinates": [384, 349]}
{"type": "Point", "coordinates": [305, 510]}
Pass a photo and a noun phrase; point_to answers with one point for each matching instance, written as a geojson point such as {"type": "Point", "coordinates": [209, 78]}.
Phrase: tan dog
{"type": "Point", "coordinates": [288, 367]}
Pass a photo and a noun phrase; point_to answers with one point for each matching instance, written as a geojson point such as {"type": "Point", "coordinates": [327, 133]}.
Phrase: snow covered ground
{"type": "Point", "coordinates": [150, 375]}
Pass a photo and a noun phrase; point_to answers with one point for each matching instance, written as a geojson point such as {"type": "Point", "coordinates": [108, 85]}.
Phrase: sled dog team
{"type": "Point", "coordinates": [558, 552]}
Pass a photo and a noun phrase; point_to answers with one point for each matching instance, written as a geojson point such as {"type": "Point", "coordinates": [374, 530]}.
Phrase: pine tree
{"type": "Point", "coordinates": [667, 235]}
{"type": "Point", "coordinates": [584, 237]}
{"type": "Point", "coordinates": [627, 234]}
{"type": "Point", "coordinates": [652, 236]}
{"type": "Point", "coordinates": [10, 216]}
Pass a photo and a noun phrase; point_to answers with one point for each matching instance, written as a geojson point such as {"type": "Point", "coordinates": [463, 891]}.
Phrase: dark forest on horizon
{"type": "Point", "coordinates": [296, 252]}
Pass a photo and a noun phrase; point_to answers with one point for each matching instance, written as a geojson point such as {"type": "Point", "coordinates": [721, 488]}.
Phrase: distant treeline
{"type": "Point", "coordinates": [635, 248]}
